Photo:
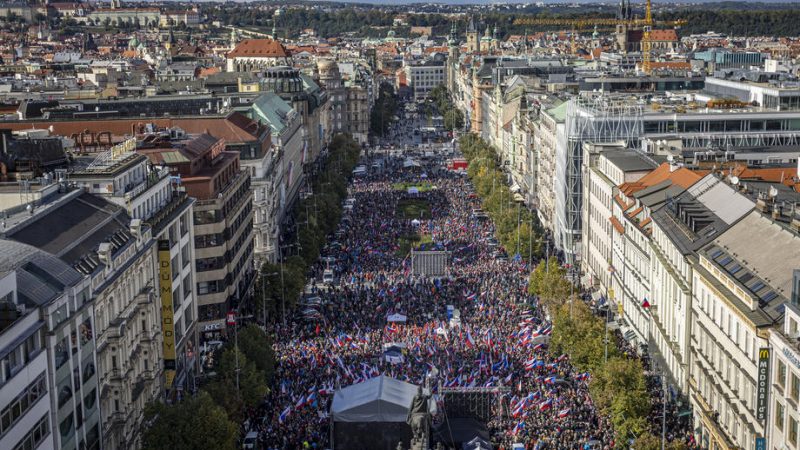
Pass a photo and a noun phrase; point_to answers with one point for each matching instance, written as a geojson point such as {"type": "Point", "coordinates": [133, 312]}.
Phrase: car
{"type": "Point", "coordinates": [250, 440]}
{"type": "Point", "coordinates": [327, 276]}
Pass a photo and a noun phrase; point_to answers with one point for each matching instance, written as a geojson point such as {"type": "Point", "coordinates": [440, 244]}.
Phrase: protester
{"type": "Point", "coordinates": [501, 340]}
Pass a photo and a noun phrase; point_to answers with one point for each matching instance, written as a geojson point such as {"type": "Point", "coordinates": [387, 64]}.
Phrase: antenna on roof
{"type": "Point", "coordinates": [773, 192]}
{"type": "Point", "coordinates": [735, 180]}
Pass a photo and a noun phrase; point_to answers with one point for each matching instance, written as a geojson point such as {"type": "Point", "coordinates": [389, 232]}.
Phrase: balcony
{"type": "Point", "coordinates": [168, 213]}
{"type": "Point", "coordinates": [152, 179]}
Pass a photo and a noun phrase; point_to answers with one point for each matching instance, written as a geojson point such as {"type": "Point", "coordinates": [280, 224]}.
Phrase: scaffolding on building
{"type": "Point", "coordinates": [598, 119]}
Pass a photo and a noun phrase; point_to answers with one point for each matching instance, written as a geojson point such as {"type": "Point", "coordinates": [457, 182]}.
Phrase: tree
{"type": "Point", "coordinates": [252, 382]}
{"type": "Point", "coordinates": [648, 441]}
{"type": "Point", "coordinates": [194, 423]}
{"type": "Point", "coordinates": [257, 347]}
{"type": "Point", "coordinates": [549, 282]}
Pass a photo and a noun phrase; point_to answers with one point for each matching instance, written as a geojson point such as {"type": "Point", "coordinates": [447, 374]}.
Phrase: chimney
{"type": "Point", "coordinates": [104, 253]}
{"type": "Point", "coordinates": [762, 204]}
{"type": "Point", "coordinates": [136, 228]}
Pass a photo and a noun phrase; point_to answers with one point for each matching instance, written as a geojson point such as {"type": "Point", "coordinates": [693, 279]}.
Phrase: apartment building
{"type": "Point", "coordinates": [278, 184]}
{"type": "Point", "coordinates": [116, 256]}
{"type": "Point", "coordinates": [739, 296]}
{"type": "Point", "coordinates": [222, 224]}
{"type": "Point", "coordinates": [783, 417]}
{"type": "Point", "coordinates": [632, 208]}
{"type": "Point", "coordinates": [25, 410]}
{"type": "Point", "coordinates": [605, 167]}
{"type": "Point", "coordinates": [58, 298]}
{"type": "Point", "coordinates": [547, 131]}
{"type": "Point", "coordinates": [158, 210]}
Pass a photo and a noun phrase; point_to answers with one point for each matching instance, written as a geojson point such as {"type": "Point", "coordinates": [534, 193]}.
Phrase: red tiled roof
{"type": "Point", "coordinates": [259, 48]}
{"type": "Point", "coordinates": [617, 226]}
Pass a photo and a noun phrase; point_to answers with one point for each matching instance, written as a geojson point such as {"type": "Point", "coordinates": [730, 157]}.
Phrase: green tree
{"type": "Point", "coordinates": [194, 423]}
{"type": "Point", "coordinates": [257, 347]}
{"type": "Point", "coordinates": [549, 282]}
{"type": "Point", "coordinates": [252, 382]}
{"type": "Point", "coordinates": [648, 441]}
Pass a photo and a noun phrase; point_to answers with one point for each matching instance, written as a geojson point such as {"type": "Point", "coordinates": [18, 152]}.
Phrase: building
{"type": "Point", "coordinates": [222, 223]}
{"type": "Point", "coordinates": [606, 166]}
{"type": "Point", "coordinates": [278, 184]}
{"type": "Point", "coordinates": [784, 417]}
{"type": "Point", "coordinates": [62, 323]}
{"type": "Point", "coordinates": [423, 76]}
{"type": "Point", "coordinates": [116, 254]}
{"type": "Point", "coordinates": [25, 392]}
{"type": "Point", "coordinates": [632, 208]}
{"type": "Point", "coordinates": [331, 79]}
{"type": "Point", "coordinates": [256, 55]}
{"type": "Point", "coordinates": [739, 296]}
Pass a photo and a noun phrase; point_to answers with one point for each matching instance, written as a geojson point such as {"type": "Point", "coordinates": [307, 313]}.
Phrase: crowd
{"type": "Point", "coordinates": [500, 342]}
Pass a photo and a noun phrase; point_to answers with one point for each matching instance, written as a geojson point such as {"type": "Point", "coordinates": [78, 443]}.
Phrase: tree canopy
{"type": "Point", "coordinates": [196, 422]}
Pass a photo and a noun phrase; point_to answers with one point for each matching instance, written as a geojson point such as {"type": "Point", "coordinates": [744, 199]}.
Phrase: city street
{"type": "Point", "coordinates": [337, 338]}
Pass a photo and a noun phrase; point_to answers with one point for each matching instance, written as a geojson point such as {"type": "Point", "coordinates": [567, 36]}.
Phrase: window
{"type": "Point", "coordinates": [781, 374]}
{"type": "Point", "coordinates": [792, 431]}
{"type": "Point", "coordinates": [36, 435]}
{"type": "Point", "coordinates": [779, 415]}
{"type": "Point", "coordinates": [19, 406]}
{"type": "Point", "coordinates": [795, 388]}
{"type": "Point", "coordinates": [187, 286]}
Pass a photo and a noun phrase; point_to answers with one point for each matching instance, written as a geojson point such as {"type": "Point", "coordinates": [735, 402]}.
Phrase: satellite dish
{"type": "Point", "coordinates": [670, 158]}
{"type": "Point", "coordinates": [735, 180]}
{"type": "Point", "coordinates": [773, 192]}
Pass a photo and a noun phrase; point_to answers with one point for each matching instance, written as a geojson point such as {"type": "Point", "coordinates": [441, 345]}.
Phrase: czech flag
{"type": "Point", "coordinates": [284, 414]}
{"type": "Point", "coordinates": [645, 304]}
{"type": "Point", "coordinates": [546, 405]}
{"type": "Point", "coordinates": [563, 413]}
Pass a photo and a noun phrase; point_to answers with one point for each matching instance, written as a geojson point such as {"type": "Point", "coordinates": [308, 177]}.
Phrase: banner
{"type": "Point", "coordinates": [167, 313]}
{"type": "Point", "coordinates": [762, 384]}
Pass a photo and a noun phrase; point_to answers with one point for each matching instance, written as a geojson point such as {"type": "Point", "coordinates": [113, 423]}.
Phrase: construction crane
{"type": "Point", "coordinates": [646, 25]}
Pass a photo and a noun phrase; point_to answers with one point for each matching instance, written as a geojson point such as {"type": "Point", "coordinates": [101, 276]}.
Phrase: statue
{"type": "Point", "coordinates": [420, 419]}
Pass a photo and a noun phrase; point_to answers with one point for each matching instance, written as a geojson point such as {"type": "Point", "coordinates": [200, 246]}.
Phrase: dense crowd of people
{"type": "Point", "coordinates": [500, 341]}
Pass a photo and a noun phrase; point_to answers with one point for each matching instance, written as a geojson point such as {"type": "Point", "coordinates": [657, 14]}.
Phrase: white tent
{"type": "Point", "coordinates": [379, 399]}
{"type": "Point", "coordinates": [397, 317]}
{"type": "Point", "coordinates": [413, 190]}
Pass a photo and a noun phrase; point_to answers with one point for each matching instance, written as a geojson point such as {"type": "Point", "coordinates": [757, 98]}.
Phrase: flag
{"type": "Point", "coordinates": [284, 414]}
{"type": "Point", "coordinates": [300, 402]}
{"type": "Point", "coordinates": [470, 342]}
{"type": "Point", "coordinates": [545, 405]}
{"type": "Point", "coordinates": [563, 413]}
{"type": "Point", "coordinates": [550, 380]}
{"type": "Point", "coordinates": [645, 304]}
{"type": "Point", "coordinates": [519, 427]}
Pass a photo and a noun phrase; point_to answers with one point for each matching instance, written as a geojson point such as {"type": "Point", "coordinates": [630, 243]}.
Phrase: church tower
{"type": "Point", "coordinates": [453, 53]}
{"type": "Point", "coordinates": [472, 36]}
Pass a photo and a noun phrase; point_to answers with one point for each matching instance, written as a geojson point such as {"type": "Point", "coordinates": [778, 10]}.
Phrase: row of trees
{"type": "Point", "coordinates": [316, 217]}
{"type": "Point", "coordinates": [618, 385]}
{"type": "Point", "coordinates": [210, 419]}
{"type": "Point", "coordinates": [518, 230]}
{"type": "Point", "coordinates": [453, 117]}
{"type": "Point", "coordinates": [384, 110]}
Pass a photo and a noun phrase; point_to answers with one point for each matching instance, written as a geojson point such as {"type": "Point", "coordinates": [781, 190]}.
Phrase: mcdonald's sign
{"type": "Point", "coordinates": [762, 384]}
